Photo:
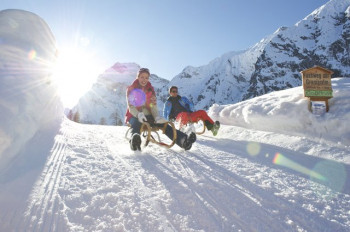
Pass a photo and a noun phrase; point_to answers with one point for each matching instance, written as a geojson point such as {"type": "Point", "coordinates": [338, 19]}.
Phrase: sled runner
{"type": "Point", "coordinates": [201, 126]}
{"type": "Point", "coordinates": [197, 127]}
{"type": "Point", "coordinates": [150, 131]}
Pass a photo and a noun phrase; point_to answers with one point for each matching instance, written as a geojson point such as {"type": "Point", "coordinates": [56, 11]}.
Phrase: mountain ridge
{"type": "Point", "coordinates": [274, 63]}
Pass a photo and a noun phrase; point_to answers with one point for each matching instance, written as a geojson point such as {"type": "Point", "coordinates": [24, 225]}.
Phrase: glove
{"type": "Point", "coordinates": [160, 120]}
{"type": "Point", "coordinates": [141, 117]}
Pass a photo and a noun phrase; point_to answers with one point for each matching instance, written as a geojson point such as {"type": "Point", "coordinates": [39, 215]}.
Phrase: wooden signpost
{"type": "Point", "coordinates": [317, 85]}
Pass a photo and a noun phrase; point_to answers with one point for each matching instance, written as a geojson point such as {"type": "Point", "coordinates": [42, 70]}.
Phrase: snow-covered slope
{"type": "Point", "coordinates": [322, 38]}
{"type": "Point", "coordinates": [258, 174]}
{"type": "Point", "coordinates": [28, 100]}
{"type": "Point", "coordinates": [245, 179]}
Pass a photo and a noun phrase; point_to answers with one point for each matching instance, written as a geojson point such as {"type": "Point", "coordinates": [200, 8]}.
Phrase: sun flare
{"type": "Point", "coordinates": [74, 72]}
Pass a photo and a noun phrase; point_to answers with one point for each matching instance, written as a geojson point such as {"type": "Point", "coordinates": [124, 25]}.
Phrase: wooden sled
{"type": "Point", "coordinates": [149, 132]}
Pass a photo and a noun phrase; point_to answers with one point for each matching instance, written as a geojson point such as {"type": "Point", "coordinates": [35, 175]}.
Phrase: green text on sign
{"type": "Point", "coordinates": [318, 93]}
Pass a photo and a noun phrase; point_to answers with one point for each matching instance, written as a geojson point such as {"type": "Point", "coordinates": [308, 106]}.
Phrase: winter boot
{"type": "Point", "coordinates": [187, 144]}
{"type": "Point", "coordinates": [135, 142]}
{"type": "Point", "coordinates": [189, 141]}
{"type": "Point", "coordinates": [192, 137]}
{"type": "Point", "coordinates": [215, 128]}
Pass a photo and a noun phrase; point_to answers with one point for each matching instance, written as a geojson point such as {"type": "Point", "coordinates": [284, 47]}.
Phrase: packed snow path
{"type": "Point", "coordinates": [92, 181]}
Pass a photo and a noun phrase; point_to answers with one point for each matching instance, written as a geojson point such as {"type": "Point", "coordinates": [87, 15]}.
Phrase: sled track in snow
{"type": "Point", "coordinates": [92, 181]}
{"type": "Point", "coordinates": [237, 180]}
{"type": "Point", "coordinates": [41, 214]}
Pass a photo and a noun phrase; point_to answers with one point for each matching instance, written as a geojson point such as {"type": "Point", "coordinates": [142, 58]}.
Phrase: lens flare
{"type": "Point", "coordinates": [137, 97]}
{"type": "Point", "coordinates": [253, 149]}
{"type": "Point", "coordinates": [334, 172]}
{"type": "Point", "coordinates": [32, 55]}
{"type": "Point", "coordinates": [281, 160]}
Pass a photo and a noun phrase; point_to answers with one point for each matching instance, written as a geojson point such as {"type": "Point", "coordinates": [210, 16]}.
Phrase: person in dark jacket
{"type": "Point", "coordinates": [181, 109]}
{"type": "Point", "coordinates": [142, 106]}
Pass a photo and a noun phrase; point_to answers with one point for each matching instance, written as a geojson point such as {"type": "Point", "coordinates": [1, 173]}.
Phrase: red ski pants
{"type": "Point", "coordinates": [187, 117]}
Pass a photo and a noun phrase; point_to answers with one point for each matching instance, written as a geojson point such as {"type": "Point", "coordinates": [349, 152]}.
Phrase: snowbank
{"type": "Point", "coordinates": [287, 112]}
{"type": "Point", "coordinates": [28, 99]}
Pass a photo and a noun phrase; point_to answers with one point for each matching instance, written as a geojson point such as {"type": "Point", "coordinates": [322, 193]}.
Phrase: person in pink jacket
{"type": "Point", "coordinates": [142, 107]}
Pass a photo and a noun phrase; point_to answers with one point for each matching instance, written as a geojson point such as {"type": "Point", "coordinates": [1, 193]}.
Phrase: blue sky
{"type": "Point", "coordinates": [164, 35]}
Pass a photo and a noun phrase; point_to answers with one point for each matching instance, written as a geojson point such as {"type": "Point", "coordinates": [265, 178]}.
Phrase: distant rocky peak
{"type": "Point", "coordinates": [119, 73]}
{"type": "Point", "coordinates": [123, 68]}
{"type": "Point", "coordinates": [274, 63]}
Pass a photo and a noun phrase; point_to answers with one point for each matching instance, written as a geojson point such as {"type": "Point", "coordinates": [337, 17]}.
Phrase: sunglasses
{"type": "Point", "coordinates": [174, 91]}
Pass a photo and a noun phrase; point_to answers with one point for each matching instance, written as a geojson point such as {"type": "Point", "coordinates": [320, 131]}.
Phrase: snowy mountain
{"type": "Point", "coordinates": [105, 103]}
{"type": "Point", "coordinates": [274, 166]}
{"type": "Point", "coordinates": [322, 38]}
